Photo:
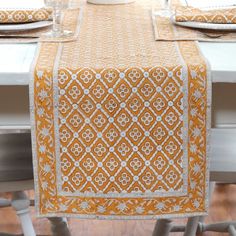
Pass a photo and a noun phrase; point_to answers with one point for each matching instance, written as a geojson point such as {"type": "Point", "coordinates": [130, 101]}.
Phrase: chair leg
{"type": "Point", "coordinates": [219, 227]}
{"type": "Point", "coordinates": [232, 231]}
{"type": "Point", "coordinates": [59, 226]}
{"type": "Point", "coordinates": [20, 203]}
{"type": "Point", "coordinates": [162, 228]}
{"type": "Point", "coordinates": [191, 227]}
{"type": "Point", "coordinates": [5, 202]}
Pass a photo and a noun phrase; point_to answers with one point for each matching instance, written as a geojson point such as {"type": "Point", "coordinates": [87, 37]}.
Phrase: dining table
{"type": "Point", "coordinates": [17, 60]}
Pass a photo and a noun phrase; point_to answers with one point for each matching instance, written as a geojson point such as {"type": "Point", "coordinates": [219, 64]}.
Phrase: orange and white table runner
{"type": "Point", "coordinates": [120, 122]}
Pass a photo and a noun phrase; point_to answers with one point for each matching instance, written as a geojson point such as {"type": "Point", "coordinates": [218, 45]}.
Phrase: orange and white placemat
{"type": "Point", "coordinates": [120, 122]}
{"type": "Point", "coordinates": [165, 28]}
{"type": "Point", "coordinates": [214, 16]}
{"type": "Point", "coordinates": [70, 21]}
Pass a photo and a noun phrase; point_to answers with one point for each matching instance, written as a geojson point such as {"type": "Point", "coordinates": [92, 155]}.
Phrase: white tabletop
{"type": "Point", "coordinates": [16, 59]}
{"type": "Point", "coordinates": [15, 63]}
{"type": "Point", "coordinates": [22, 4]}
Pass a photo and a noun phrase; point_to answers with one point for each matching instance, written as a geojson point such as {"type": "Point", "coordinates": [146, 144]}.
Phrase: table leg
{"type": "Point", "coordinates": [162, 228]}
{"type": "Point", "coordinates": [59, 226]}
{"type": "Point", "coordinates": [191, 227]}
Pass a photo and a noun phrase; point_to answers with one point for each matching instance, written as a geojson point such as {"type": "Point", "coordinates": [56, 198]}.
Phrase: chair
{"type": "Point", "coordinates": [222, 170]}
{"type": "Point", "coordinates": [16, 176]}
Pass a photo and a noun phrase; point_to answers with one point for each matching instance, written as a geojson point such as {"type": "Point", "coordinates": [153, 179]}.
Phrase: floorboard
{"type": "Point", "coordinates": [223, 207]}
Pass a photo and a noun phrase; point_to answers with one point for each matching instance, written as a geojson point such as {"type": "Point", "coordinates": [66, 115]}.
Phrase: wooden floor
{"type": "Point", "coordinates": [223, 207]}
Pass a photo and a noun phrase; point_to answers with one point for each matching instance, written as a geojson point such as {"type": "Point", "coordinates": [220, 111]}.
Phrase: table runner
{"type": "Point", "coordinates": [120, 122]}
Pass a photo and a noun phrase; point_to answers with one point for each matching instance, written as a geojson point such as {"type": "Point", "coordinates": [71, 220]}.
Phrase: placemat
{"type": "Point", "coordinates": [71, 20]}
{"type": "Point", "coordinates": [217, 16]}
{"type": "Point", "coordinates": [164, 29]}
{"type": "Point", "coordinates": [120, 122]}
